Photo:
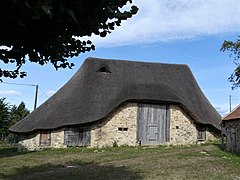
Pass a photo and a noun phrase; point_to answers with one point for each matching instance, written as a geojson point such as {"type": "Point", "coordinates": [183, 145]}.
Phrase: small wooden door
{"type": "Point", "coordinates": [77, 136]}
{"type": "Point", "coordinates": [233, 139]}
{"type": "Point", "coordinates": [153, 124]}
{"type": "Point", "coordinates": [201, 135]}
{"type": "Point", "coordinates": [45, 138]}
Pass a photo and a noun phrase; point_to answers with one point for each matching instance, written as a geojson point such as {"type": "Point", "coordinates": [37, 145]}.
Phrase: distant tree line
{"type": "Point", "coordinates": [9, 115]}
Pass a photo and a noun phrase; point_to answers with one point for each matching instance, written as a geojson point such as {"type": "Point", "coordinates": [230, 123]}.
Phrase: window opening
{"type": "Point", "coordinates": [122, 129]}
{"type": "Point", "coordinates": [104, 70]}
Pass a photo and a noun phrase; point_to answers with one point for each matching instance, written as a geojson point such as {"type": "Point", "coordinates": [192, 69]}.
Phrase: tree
{"type": "Point", "coordinates": [18, 113]}
{"type": "Point", "coordinates": [234, 49]}
{"type": "Point", "coordinates": [9, 116]}
{"type": "Point", "coordinates": [4, 119]}
{"type": "Point", "coordinates": [45, 31]}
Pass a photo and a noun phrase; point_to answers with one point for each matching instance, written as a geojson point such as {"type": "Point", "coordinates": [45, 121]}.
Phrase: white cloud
{"type": "Point", "coordinates": [222, 110]}
{"type": "Point", "coordinates": [10, 93]}
{"type": "Point", "coordinates": [170, 20]}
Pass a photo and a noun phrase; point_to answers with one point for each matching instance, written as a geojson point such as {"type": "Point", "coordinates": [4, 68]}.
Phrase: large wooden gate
{"type": "Point", "coordinates": [153, 124]}
{"type": "Point", "coordinates": [77, 136]}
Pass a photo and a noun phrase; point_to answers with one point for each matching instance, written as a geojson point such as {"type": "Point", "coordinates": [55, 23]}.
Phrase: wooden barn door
{"type": "Point", "coordinates": [153, 124]}
{"type": "Point", "coordinates": [233, 139]}
{"type": "Point", "coordinates": [77, 136]}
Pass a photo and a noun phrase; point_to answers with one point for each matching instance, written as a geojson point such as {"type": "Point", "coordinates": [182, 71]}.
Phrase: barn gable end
{"type": "Point", "coordinates": [231, 131]}
{"type": "Point", "coordinates": [150, 102]}
{"type": "Point", "coordinates": [121, 128]}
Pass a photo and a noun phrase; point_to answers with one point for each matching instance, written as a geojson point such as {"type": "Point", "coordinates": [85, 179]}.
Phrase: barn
{"type": "Point", "coordinates": [125, 103]}
{"type": "Point", "coordinates": [231, 131]}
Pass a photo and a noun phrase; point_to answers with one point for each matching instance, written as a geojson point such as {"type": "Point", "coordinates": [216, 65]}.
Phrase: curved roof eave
{"type": "Point", "coordinates": [91, 94]}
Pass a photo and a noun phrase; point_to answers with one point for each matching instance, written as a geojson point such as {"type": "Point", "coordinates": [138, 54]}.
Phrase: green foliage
{"type": "Point", "coordinates": [234, 49]}
{"type": "Point", "coordinates": [9, 116]}
{"type": "Point", "coordinates": [115, 144]}
{"type": "Point", "coordinates": [4, 118]}
{"type": "Point", "coordinates": [18, 113]}
{"type": "Point", "coordinates": [45, 30]}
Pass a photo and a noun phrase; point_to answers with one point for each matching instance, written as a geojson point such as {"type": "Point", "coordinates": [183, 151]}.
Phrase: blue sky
{"type": "Point", "coordinates": [181, 31]}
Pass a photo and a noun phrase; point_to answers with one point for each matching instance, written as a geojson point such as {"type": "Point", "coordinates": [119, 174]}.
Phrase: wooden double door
{"type": "Point", "coordinates": [77, 136]}
{"type": "Point", "coordinates": [153, 124]}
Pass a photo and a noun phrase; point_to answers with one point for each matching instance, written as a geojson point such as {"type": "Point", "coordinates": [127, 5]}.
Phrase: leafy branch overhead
{"type": "Point", "coordinates": [234, 49]}
{"type": "Point", "coordinates": [45, 30]}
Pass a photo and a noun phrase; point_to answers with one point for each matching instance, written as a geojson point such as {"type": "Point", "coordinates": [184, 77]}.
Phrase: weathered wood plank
{"type": "Point", "coordinates": [153, 124]}
{"type": "Point", "coordinates": [77, 136]}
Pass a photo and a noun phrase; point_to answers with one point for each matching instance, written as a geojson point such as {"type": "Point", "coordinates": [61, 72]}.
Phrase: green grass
{"type": "Point", "coordinates": [163, 162]}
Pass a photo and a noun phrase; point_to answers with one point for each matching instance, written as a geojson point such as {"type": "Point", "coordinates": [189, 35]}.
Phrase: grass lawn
{"type": "Point", "coordinates": [162, 162]}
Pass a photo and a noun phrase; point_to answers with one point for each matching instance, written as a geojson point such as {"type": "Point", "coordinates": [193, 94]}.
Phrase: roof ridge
{"type": "Point", "coordinates": [231, 112]}
{"type": "Point", "coordinates": [134, 61]}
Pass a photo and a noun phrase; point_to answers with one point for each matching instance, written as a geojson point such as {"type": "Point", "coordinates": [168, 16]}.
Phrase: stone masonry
{"type": "Point", "coordinates": [182, 127]}
{"type": "Point", "coordinates": [120, 128]}
{"type": "Point", "coordinates": [32, 142]}
{"type": "Point", "coordinates": [111, 130]}
{"type": "Point", "coordinates": [57, 138]}
{"type": "Point", "coordinates": [231, 135]}
{"type": "Point", "coordinates": [29, 142]}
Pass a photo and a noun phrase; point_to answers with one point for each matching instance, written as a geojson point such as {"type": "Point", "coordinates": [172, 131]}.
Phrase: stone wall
{"type": "Point", "coordinates": [29, 142]}
{"type": "Point", "coordinates": [57, 138]}
{"type": "Point", "coordinates": [231, 135]}
{"type": "Point", "coordinates": [182, 127]}
{"type": "Point", "coordinates": [120, 127]}
{"type": "Point", "coordinates": [32, 142]}
{"type": "Point", "coordinates": [212, 135]}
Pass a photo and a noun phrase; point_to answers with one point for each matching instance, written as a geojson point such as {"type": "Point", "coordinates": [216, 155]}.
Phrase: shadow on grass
{"type": "Point", "coordinates": [10, 151]}
{"type": "Point", "coordinates": [73, 170]}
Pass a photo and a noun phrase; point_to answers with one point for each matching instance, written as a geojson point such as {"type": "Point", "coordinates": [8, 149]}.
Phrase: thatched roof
{"type": "Point", "coordinates": [235, 114]}
{"type": "Point", "coordinates": [101, 85]}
